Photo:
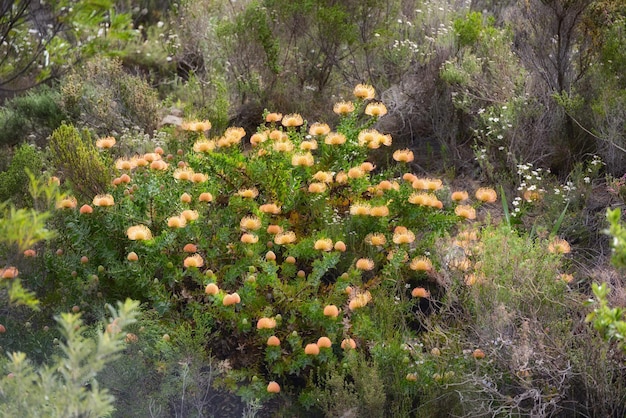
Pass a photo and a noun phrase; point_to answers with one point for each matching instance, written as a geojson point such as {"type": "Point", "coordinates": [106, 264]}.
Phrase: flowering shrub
{"type": "Point", "coordinates": [269, 233]}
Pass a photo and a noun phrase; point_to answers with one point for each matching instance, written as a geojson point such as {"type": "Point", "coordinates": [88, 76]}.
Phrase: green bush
{"type": "Point", "coordinates": [37, 113]}
{"type": "Point", "coordinates": [77, 160]}
{"type": "Point", "coordinates": [14, 181]}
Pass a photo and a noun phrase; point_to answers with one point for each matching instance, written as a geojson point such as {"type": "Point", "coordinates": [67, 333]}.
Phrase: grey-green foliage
{"type": "Point", "coordinates": [104, 97]}
{"type": "Point", "coordinates": [67, 386]}
{"type": "Point", "coordinates": [36, 113]}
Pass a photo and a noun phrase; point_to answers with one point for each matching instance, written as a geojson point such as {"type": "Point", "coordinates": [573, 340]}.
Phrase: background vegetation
{"type": "Point", "coordinates": [142, 151]}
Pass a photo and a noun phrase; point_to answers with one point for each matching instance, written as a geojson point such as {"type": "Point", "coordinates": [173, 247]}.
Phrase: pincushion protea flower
{"type": "Point", "coordinates": [273, 341]}
{"type": "Point", "coordinates": [273, 117]}
{"type": "Point", "coordinates": [292, 120]}
{"type": "Point", "coordinates": [193, 261]}
{"type": "Point", "coordinates": [324, 244]}
{"type": "Point", "coordinates": [365, 264]}
{"type": "Point", "coordinates": [69, 202]}
{"type": "Point", "coordinates": [139, 233]}
{"type": "Point", "coordinates": [559, 246]}
{"type": "Point", "coordinates": [401, 235]}
{"type": "Point", "coordinates": [343, 108]}
{"type": "Point", "coordinates": [403, 155]}
{"type": "Point", "coordinates": [465, 211]}
{"type": "Point", "coordinates": [376, 109]}
{"type": "Point", "coordinates": [486, 194]}
{"type": "Point", "coordinates": [250, 223]}
{"type": "Point", "coordinates": [103, 200]}
{"type": "Point", "coordinates": [364, 91]}
{"type": "Point", "coordinates": [459, 196]}
{"type": "Point", "coordinates": [105, 143]}
{"type": "Point", "coordinates": [376, 239]}
{"type": "Point", "coordinates": [270, 208]}
{"type": "Point", "coordinates": [335, 138]}
{"type": "Point", "coordinates": [324, 342]}
{"type": "Point", "coordinates": [421, 264]}
{"type": "Point", "coordinates": [248, 193]}
{"type": "Point", "coordinates": [319, 129]}
{"type": "Point", "coordinates": [287, 237]}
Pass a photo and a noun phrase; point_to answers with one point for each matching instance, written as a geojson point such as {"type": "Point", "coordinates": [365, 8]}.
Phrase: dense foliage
{"type": "Point", "coordinates": [435, 247]}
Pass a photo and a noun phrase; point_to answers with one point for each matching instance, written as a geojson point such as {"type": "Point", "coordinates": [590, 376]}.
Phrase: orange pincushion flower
{"type": "Point", "coordinates": [183, 173]}
{"type": "Point", "coordinates": [487, 195]}
{"type": "Point", "coordinates": [9, 272]}
{"type": "Point", "coordinates": [319, 129]}
{"type": "Point", "coordinates": [193, 261]}
{"type": "Point", "coordinates": [273, 341]}
{"type": "Point", "coordinates": [365, 264]}
{"type": "Point", "coordinates": [368, 135]}
{"type": "Point", "coordinates": [234, 134]}
{"type": "Point", "coordinates": [325, 244]}
{"type": "Point", "coordinates": [359, 300]}
{"type": "Point", "coordinates": [274, 229]}
{"type": "Point", "coordinates": [231, 299]}
{"type": "Point", "coordinates": [176, 222]}
{"type": "Point", "coordinates": [559, 246]}
{"type": "Point", "coordinates": [273, 387]}
{"type": "Point", "coordinates": [277, 135]}
{"type": "Point", "coordinates": [132, 256]}
{"type": "Point", "coordinates": [308, 145]}
{"type": "Point", "coordinates": [567, 278]}
{"type": "Point", "coordinates": [376, 239]}
{"type": "Point", "coordinates": [205, 197]}
{"type": "Point", "coordinates": [204, 145]}
{"type": "Point", "coordinates": [292, 120]}
{"type": "Point", "coordinates": [199, 177]}
{"type": "Point", "coordinates": [125, 178]}
{"type": "Point", "coordinates": [270, 208]}
{"type": "Point", "coordinates": [379, 211]}
{"type": "Point", "coordinates": [356, 173]}
{"type": "Point", "coordinates": [270, 256]}
{"type": "Point", "coordinates": [323, 176]}
{"type": "Point", "coordinates": [420, 292]}
{"type": "Point", "coordinates": [29, 253]}
{"type": "Point", "coordinates": [459, 196]}
{"type": "Point", "coordinates": [317, 187]}
{"type": "Point", "coordinates": [250, 223]}
{"type": "Point", "coordinates": [287, 237]}
{"type": "Point", "coordinates": [324, 342]}
{"type": "Point", "coordinates": [103, 200]}
{"type": "Point", "coordinates": [266, 323]}
{"type": "Point", "coordinates": [85, 210]}
{"type": "Point", "coordinates": [421, 264]}
{"type": "Point", "coordinates": [249, 239]}
{"type": "Point", "coordinates": [348, 343]}
{"type": "Point", "coordinates": [340, 246]}
{"type": "Point", "coordinates": [402, 235]}
{"type": "Point", "coordinates": [248, 193]}
{"type": "Point", "coordinates": [302, 160]}
{"type": "Point", "coordinates": [159, 165]}
{"type": "Point", "coordinates": [364, 91]}
{"type": "Point", "coordinates": [311, 350]}
{"type": "Point", "coordinates": [124, 164]}
{"type": "Point", "coordinates": [341, 177]}
{"type": "Point", "coordinates": [211, 289]}
{"type": "Point", "coordinates": [343, 108]}
{"type": "Point", "coordinates": [376, 109]}
{"type": "Point", "coordinates": [335, 138]}
{"type": "Point", "coordinates": [189, 215]}
{"type": "Point", "coordinates": [465, 211]}
{"type": "Point", "coordinates": [367, 167]}
{"type": "Point", "coordinates": [283, 146]}
{"type": "Point", "coordinates": [105, 143]}
{"type": "Point", "coordinates": [360, 209]}
{"type": "Point", "coordinates": [331, 311]}
{"type": "Point", "coordinates": [478, 354]}
{"type": "Point", "coordinates": [69, 202]}
{"type": "Point", "coordinates": [273, 117]}
{"type": "Point", "coordinates": [139, 233]}
{"type": "Point", "coordinates": [403, 155]}
{"type": "Point", "coordinates": [258, 138]}
{"type": "Point", "coordinates": [190, 248]}
{"type": "Point", "coordinates": [185, 198]}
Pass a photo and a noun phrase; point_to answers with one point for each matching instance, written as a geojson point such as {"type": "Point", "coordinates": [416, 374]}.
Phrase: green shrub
{"type": "Point", "coordinates": [67, 386]}
{"type": "Point", "coordinates": [14, 181]}
{"type": "Point", "coordinates": [37, 113]}
{"type": "Point", "coordinates": [77, 160]}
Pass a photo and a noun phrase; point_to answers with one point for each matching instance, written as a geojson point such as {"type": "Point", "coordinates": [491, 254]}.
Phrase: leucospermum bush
{"type": "Point", "coordinates": [262, 239]}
